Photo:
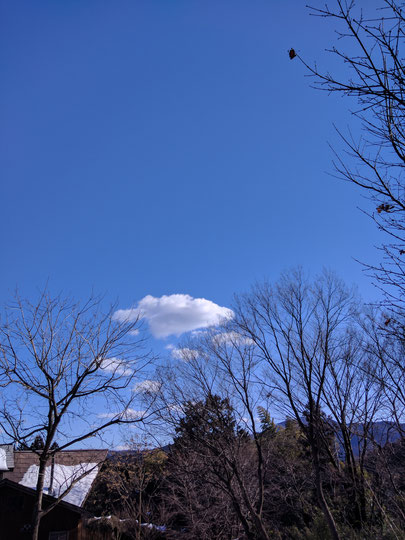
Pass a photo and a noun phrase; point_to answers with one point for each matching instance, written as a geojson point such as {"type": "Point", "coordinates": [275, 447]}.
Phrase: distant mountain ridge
{"type": "Point", "coordinates": [380, 433]}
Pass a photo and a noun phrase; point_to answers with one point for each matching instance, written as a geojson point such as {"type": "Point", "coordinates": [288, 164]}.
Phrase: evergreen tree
{"type": "Point", "coordinates": [38, 443]}
{"type": "Point", "coordinates": [269, 428]}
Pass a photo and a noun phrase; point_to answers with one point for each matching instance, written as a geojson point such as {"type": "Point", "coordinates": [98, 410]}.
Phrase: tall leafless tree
{"type": "Point", "coordinates": [216, 373]}
{"type": "Point", "coordinates": [65, 370]}
{"type": "Point", "coordinates": [299, 328]}
{"type": "Point", "coordinates": [374, 77]}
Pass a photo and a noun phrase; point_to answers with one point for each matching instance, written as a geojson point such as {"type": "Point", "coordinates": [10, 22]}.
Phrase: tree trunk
{"type": "Point", "coordinates": [139, 529]}
{"type": "Point", "coordinates": [37, 512]}
{"type": "Point", "coordinates": [321, 498]}
{"type": "Point", "coordinates": [258, 525]}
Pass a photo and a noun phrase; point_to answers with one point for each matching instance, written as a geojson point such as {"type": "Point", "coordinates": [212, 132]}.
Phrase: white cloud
{"type": "Point", "coordinates": [128, 414]}
{"type": "Point", "coordinates": [232, 338]}
{"type": "Point", "coordinates": [184, 354]}
{"type": "Point", "coordinates": [198, 333]}
{"type": "Point", "coordinates": [131, 414]}
{"type": "Point", "coordinates": [176, 408]}
{"type": "Point", "coordinates": [116, 365]}
{"type": "Point", "coordinates": [175, 314]}
{"type": "Point", "coordinates": [147, 387]}
{"type": "Point", "coordinates": [134, 332]}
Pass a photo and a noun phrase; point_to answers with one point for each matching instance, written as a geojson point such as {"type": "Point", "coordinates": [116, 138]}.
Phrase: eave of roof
{"type": "Point", "coordinates": [47, 498]}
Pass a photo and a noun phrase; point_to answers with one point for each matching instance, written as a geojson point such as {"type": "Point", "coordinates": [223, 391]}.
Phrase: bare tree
{"type": "Point", "coordinates": [322, 368]}
{"type": "Point", "coordinates": [298, 329]}
{"type": "Point", "coordinates": [371, 47]}
{"type": "Point", "coordinates": [66, 370]}
{"type": "Point", "coordinates": [356, 401]}
{"type": "Point", "coordinates": [298, 346]}
{"type": "Point", "coordinates": [211, 396]}
{"type": "Point", "coordinates": [303, 349]}
{"type": "Point", "coordinates": [375, 160]}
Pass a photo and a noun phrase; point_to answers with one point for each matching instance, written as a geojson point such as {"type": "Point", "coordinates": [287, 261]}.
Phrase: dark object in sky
{"type": "Point", "coordinates": [292, 54]}
{"type": "Point", "coordinates": [384, 208]}
{"type": "Point", "coordinates": [387, 322]}
{"type": "Point", "coordinates": [401, 251]}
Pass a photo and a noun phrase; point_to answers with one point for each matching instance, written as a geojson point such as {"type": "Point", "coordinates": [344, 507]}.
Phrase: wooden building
{"type": "Point", "coordinates": [73, 470]}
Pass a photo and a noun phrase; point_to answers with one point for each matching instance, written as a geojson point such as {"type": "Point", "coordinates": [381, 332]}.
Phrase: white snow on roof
{"type": "Point", "coordinates": [81, 475]}
{"type": "Point", "coordinates": [3, 460]}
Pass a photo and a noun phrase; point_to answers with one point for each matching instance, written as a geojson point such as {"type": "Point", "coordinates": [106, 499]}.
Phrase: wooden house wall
{"type": "Point", "coordinates": [16, 513]}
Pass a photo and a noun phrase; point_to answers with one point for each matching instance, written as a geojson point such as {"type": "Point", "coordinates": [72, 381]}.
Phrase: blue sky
{"type": "Point", "coordinates": [153, 148]}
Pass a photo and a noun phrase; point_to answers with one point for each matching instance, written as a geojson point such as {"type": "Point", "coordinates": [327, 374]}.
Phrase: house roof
{"type": "Point", "coordinates": [72, 470]}
{"type": "Point", "coordinates": [7, 455]}
{"type": "Point", "coordinates": [47, 498]}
